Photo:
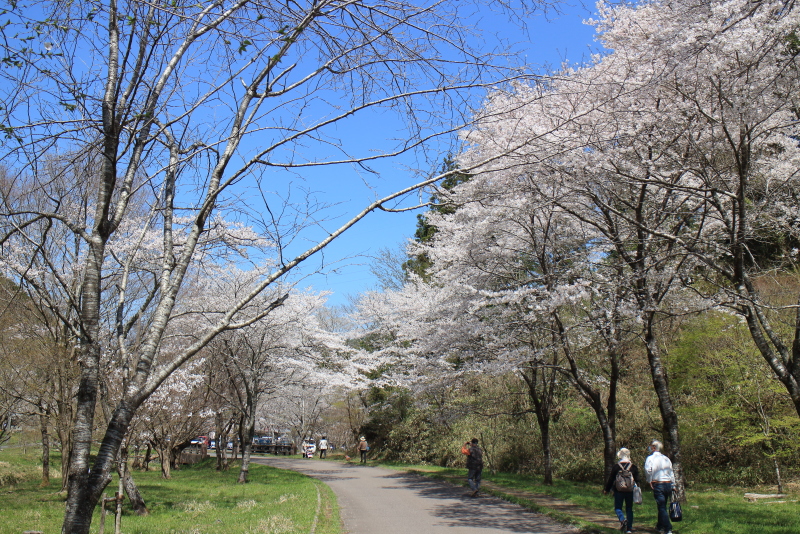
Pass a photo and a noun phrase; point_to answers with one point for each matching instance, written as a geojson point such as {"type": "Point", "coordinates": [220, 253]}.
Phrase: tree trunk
{"type": "Point", "coordinates": [778, 474]}
{"type": "Point", "coordinates": [66, 454]}
{"type": "Point", "coordinates": [544, 428]}
{"type": "Point", "coordinates": [87, 487]}
{"type": "Point", "coordinates": [222, 443]}
{"type": "Point", "coordinates": [131, 490]}
{"type": "Point", "coordinates": [609, 444]}
{"type": "Point", "coordinates": [175, 458]}
{"type": "Point", "coordinates": [163, 451]}
{"type": "Point", "coordinates": [79, 506]}
{"type": "Point", "coordinates": [222, 453]}
{"type": "Point", "coordinates": [43, 421]}
{"type": "Point", "coordinates": [137, 459]}
{"type": "Point", "coordinates": [248, 431]}
{"type": "Point", "coordinates": [785, 364]}
{"type": "Point", "coordinates": [148, 457]}
{"type": "Point", "coordinates": [606, 415]}
{"type": "Point", "coordinates": [65, 412]}
{"type": "Point", "coordinates": [669, 418]}
{"type": "Point", "coordinates": [542, 403]}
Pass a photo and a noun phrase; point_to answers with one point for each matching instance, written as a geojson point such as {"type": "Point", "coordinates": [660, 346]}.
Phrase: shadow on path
{"type": "Point", "coordinates": [376, 500]}
{"type": "Point", "coordinates": [471, 511]}
{"type": "Point", "coordinates": [541, 500]}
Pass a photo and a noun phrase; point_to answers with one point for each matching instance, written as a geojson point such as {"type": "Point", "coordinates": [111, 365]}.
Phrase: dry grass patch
{"type": "Point", "coordinates": [195, 507]}
{"type": "Point", "coordinates": [276, 524]}
{"type": "Point", "coordinates": [246, 505]}
{"type": "Point", "coordinates": [287, 497]}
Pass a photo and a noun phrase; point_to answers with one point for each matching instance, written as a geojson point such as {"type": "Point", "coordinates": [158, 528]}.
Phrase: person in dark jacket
{"type": "Point", "coordinates": [624, 462]}
{"type": "Point", "coordinates": [362, 448]}
{"type": "Point", "coordinates": [474, 465]}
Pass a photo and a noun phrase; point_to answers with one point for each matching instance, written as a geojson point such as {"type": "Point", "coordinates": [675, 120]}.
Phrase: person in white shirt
{"type": "Point", "coordinates": [323, 447]}
{"type": "Point", "coordinates": [661, 478]}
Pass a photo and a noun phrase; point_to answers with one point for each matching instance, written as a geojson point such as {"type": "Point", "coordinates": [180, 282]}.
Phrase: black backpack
{"type": "Point", "coordinates": [624, 481]}
{"type": "Point", "coordinates": [475, 458]}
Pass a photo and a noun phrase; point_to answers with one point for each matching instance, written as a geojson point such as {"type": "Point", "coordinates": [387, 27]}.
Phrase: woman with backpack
{"type": "Point", "coordinates": [623, 478]}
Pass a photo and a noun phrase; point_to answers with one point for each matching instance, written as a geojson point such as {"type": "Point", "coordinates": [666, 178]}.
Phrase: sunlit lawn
{"type": "Point", "coordinates": [197, 499]}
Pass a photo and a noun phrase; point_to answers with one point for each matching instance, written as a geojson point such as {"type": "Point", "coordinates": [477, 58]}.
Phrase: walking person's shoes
{"type": "Point", "coordinates": [623, 525]}
{"type": "Point", "coordinates": [474, 493]}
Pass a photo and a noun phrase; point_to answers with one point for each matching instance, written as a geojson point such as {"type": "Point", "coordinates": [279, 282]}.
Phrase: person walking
{"type": "Point", "coordinates": [474, 465]}
{"type": "Point", "coordinates": [624, 476]}
{"type": "Point", "coordinates": [363, 447]}
{"type": "Point", "coordinates": [661, 478]}
{"type": "Point", "coordinates": [323, 447]}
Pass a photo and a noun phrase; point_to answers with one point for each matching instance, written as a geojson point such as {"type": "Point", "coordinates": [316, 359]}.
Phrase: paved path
{"type": "Point", "coordinates": [373, 500]}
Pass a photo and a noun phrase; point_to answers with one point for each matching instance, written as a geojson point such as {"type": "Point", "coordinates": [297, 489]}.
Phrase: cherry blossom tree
{"type": "Point", "coordinates": [219, 388]}
{"type": "Point", "coordinates": [186, 110]}
{"type": "Point", "coordinates": [263, 360]}
{"type": "Point", "coordinates": [548, 305]}
{"type": "Point", "coordinates": [670, 147]}
{"type": "Point", "coordinates": [728, 101]}
{"type": "Point", "coordinates": [174, 415]}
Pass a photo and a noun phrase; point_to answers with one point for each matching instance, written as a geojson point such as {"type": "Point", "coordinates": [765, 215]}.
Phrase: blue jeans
{"type": "Point", "coordinates": [662, 492]}
{"type": "Point", "coordinates": [474, 479]}
{"type": "Point", "coordinates": [619, 498]}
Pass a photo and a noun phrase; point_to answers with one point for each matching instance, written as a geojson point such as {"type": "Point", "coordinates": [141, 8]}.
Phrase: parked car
{"type": "Point", "coordinates": [200, 440]}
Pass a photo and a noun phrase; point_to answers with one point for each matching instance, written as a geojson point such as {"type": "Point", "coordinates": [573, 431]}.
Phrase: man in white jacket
{"type": "Point", "coordinates": [323, 447]}
{"type": "Point", "coordinates": [661, 478]}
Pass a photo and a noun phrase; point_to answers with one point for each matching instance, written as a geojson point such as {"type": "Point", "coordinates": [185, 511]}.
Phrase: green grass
{"type": "Point", "coordinates": [201, 500]}
{"type": "Point", "coordinates": [16, 467]}
{"type": "Point", "coordinates": [196, 499]}
{"type": "Point", "coordinates": [709, 510]}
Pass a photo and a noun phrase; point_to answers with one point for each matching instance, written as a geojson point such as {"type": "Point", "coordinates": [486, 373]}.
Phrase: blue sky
{"type": "Point", "coordinates": [551, 39]}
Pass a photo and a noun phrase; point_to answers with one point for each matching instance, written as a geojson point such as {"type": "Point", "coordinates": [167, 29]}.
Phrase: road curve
{"type": "Point", "coordinates": [373, 500]}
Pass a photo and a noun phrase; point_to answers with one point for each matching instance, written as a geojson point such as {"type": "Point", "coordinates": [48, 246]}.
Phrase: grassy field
{"type": "Point", "coordinates": [197, 499]}
{"type": "Point", "coordinates": [709, 510]}
{"type": "Point", "coordinates": [201, 500]}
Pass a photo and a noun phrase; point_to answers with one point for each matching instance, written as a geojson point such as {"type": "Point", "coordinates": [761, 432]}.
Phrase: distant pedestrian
{"type": "Point", "coordinates": [624, 476]}
{"type": "Point", "coordinates": [323, 447]}
{"type": "Point", "coordinates": [474, 465]}
{"type": "Point", "coordinates": [363, 447]}
{"type": "Point", "coordinates": [661, 478]}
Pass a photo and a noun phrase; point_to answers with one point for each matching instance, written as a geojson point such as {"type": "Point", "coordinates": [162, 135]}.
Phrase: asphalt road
{"type": "Point", "coordinates": [373, 500]}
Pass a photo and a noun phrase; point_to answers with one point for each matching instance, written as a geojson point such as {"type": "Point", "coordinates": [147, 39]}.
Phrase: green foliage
{"type": "Point", "coordinates": [738, 420]}
{"type": "Point", "coordinates": [420, 264]}
{"type": "Point", "coordinates": [793, 44]}
{"type": "Point", "coordinates": [389, 406]}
